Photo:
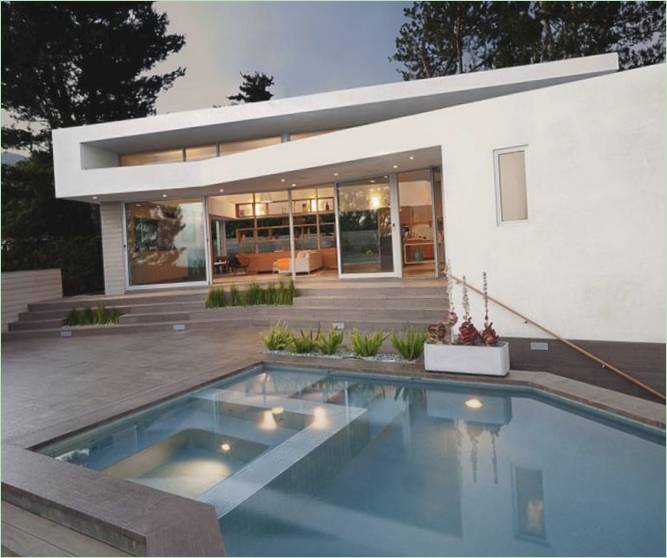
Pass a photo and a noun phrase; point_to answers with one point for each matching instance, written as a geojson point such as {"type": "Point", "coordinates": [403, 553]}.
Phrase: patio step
{"type": "Point", "coordinates": [395, 303]}
{"type": "Point", "coordinates": [370, 305]}
{"type": "Point", "coordinates": [208, 325]}
{"type": "Point", "coordinates": [122, 300]}
{"type": "Point", "coordinates": [376, 291]}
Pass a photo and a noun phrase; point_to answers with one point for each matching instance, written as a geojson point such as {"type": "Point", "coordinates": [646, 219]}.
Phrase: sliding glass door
{"type": "Point", "coordinates": [367, 217]}
{"type": "Point", "coordinates": [165, 242]}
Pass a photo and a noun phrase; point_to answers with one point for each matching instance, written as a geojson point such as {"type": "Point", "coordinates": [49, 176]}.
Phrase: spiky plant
{"type": "Point", "coordinates": [304, 342]}
{"type": "Point", "coordinates": [278, 337]}
{"type": "Point", "coordinates": [87, 316]}
{"type": "Point", "coordinates": [114, 316]}
{"type": "Point", "coordinates": [367, 344]}
{"type": "Point", "coordinates": [410, 345]}
{"type": "Point", "coordinates": [330, 342]}
{"type": "Point", "coordinates": [235, 298]}
{"type": "Point", "coordinates": [270, 294]}
{"type": "Point", "coordinates": [73, 318]}
{"type": "Point", "coordinates": [215, 298]}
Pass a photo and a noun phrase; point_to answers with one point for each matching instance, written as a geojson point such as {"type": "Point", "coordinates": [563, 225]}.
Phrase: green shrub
{"type": "Point", "coordinates": [278, 338]}
{"type": "Point", "coordinates": [253, 295]}
{"type": "Point", "coordinates": [367, 344]}
{"type": "Point", "coordinates": [409, 345]}
{"type": "Point", "coordinates": [328, 343]}
{"type": "Point", "coordinates": [270, 294]}
{"type": "Point", "coordinates": [216, 298]}
{"type": "Point", "coordinates": [100, 315]}
{"type": "Point", "coordinates": [115, 315]}
{"type": "Point", "coordinates": [73, 318]}
{"type": "Point", "coordinates": [89, 316]}
{"type": "Point", "coordinates": [235, 298]}
{"type": "Point", "coordinates": [304, 343]}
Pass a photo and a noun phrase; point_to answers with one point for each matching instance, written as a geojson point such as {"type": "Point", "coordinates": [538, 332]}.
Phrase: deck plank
{"type": "Point", "coordinates": [27, 534]}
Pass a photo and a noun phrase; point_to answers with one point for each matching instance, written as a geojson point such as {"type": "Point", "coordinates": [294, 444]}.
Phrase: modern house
{"type": "Point", "coordinates": [549, 177]}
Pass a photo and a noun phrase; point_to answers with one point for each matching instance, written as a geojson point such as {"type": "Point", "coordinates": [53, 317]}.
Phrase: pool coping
{"type": "Point", "coordinates": [635, 409]}
{"type": "Point", "coordinates": [145, 521]}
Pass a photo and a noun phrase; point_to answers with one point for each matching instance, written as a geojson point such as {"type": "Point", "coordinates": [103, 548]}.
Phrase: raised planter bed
{"type": "Point", "coordinates": [467, 359]}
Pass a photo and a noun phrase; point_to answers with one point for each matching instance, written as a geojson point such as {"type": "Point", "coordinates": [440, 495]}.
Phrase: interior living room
{"type": "Point", "coordinates": [250, 232]}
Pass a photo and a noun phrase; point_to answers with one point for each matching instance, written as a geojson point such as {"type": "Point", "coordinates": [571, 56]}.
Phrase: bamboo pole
{"type": "Point", "coordinates": [570, 344]}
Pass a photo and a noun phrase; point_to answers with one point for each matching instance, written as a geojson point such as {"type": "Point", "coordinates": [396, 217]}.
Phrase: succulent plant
{"type": "Point", "coordinates": [489, 335]}
{"type": "Point", "coordinates": [468, 334]}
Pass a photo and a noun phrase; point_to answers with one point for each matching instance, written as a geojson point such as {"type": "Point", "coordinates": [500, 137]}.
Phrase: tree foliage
{"type": "Point", "coordinates": [68, 64]}
{"type": "Point", "coordinates": [255, 87]}
{"type": "Point", "coordinates": [443, 38]}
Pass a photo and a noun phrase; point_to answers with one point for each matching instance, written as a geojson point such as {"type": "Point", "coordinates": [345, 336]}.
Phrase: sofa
{"type": "Point", "coordinates": [305, 261]}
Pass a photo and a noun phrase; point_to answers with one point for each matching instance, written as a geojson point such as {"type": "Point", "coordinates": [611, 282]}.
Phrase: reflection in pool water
{"type": "Point", "coordinates": [308, 463]}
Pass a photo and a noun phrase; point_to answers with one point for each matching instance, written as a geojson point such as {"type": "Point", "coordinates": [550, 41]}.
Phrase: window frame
{"type": "Point", "coordinates": [498, 191]}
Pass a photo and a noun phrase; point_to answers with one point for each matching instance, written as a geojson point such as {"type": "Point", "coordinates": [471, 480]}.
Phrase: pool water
{"type": "Point", "coordinates": [309, 463]}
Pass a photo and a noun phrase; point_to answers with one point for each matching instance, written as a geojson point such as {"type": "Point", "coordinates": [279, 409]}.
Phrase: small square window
{"type": "Point", "coordinates": [511, 195]}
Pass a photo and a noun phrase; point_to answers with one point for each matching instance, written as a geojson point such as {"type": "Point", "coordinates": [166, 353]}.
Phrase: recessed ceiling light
{"type": "Point", "coordinates": [138, 204]}
{"type": "Point", "coordinates": [395, 166]}
{"type": "Point", "coordinates": [335, 174]}
{"type": "Point", "coordinates": [221, 190]}
{"type": "Point", "coordinates": [164, 195]}
{"type": "Point", "coordinates": [412, 157]}
{"type": "Point", "coordinates": [386, 176]}
{"type": "Point", "coordinates": [282, 180]}
{"type": "Point", "coordinates": [293, 185]}
{"type": "Point", "coordinates": [225, 447]}
{"type": "Point", "coordinates": [372, 181]}
{"type": "Point", "coordinates": [474, 403]}
{"type": "Point", "coordinates": [94, 197]}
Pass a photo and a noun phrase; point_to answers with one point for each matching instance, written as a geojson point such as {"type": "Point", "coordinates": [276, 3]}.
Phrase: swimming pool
{"type": "Point", "coordinates": [309, 462]}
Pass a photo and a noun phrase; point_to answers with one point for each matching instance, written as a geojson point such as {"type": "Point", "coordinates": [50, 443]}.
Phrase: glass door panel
{"type": "Point", "coordinates": [365, 225]}
{"type": "Point", "coordinates": [165, 242]}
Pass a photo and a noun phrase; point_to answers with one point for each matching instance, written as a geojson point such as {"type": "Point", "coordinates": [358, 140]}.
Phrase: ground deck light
{"type": "Point", "coordinates": [474, 403]}
{"type": "Point", "coordinates": [320, 419]}
{"type": "Point", "coordinates": [268, 421]}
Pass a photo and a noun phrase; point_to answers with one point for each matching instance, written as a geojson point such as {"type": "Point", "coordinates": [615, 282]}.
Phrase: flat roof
{"type": "Point", "coordinates": [330, 110]}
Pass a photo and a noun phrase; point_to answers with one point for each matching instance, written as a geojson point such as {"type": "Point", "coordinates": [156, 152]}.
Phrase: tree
{"type": "Point", "coordinates": [443, 38]}
{"type": "Point", "coordinates": [68, 64]}
{"type": "Point", "coordinates": [254, 88]}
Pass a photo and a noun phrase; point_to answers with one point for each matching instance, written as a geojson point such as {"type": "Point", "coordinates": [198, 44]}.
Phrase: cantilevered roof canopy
{"type": "Point", "coordinates": [331, 110]}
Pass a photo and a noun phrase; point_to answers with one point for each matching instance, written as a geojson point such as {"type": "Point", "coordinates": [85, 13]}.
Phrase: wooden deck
{"type": "Point", "coordinates": [27, 534]}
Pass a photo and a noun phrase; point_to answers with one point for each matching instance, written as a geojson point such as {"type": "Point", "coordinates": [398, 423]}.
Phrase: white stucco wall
{"type": "Point", "coordinates": [589, 263]}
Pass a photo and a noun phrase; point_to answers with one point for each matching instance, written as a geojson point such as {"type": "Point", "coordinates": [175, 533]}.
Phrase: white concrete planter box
{"type": "Point", "coordinates": [467, 359]}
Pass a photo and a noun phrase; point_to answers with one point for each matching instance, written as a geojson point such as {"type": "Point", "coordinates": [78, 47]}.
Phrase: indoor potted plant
{"type": "Point", "coordinates": [471, 351]}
